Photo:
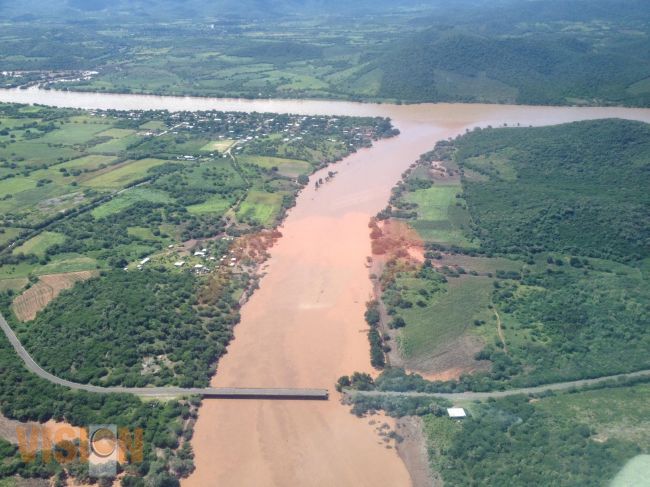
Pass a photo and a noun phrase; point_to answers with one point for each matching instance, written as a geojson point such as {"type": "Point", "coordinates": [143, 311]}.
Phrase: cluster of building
{"type": "Point", "coordinates": [246, 127]}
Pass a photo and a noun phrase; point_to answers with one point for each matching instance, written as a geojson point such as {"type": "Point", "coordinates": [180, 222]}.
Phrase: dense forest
{"type": "Point", "coordinates": [543, 52]}
{"type": "Point", "coordinates": [110, 328]}
{"type": "Point", "coordinates": [515, 442]}
{"type": "Point", "coordinates": [26, 397]}
{"type": "Point", "coordinates": [579, 188]}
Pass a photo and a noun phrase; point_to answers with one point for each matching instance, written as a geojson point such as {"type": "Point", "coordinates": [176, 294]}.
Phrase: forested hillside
{"type": "Point", "coordinates": [511, 51]}
{"type": "Point", "coordinates": [579, 188]}
{"type": "Point", "coordinates": [539, 52]}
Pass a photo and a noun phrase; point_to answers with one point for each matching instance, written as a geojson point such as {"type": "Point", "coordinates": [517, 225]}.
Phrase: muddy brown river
{"type": "Point", "coordinates": [304, 327]}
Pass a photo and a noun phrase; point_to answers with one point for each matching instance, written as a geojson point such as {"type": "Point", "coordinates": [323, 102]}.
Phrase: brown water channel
{"type": "Point", "coordinates": [304, 327]}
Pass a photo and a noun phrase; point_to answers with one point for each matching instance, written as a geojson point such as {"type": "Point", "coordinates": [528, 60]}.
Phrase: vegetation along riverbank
{"type": "Point", "coordinates": [473, 296]}
{"type": "Point", "coordinates": [149, 229]}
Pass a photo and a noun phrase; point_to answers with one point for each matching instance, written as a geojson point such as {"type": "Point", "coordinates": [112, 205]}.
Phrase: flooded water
{"type": "Point", "coordinates": [304, 327]}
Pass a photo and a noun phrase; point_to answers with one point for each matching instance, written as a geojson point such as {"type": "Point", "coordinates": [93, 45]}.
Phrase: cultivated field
{"type": "Point", "coordinates": [260, 207]}
{"type": "Point", "coordinates": [441, 339]}
{"type": "Point", "coordinates": [39, 244]}
{"type": "Point", "coordinates": [124, 175]}
{"type": "Point", "coordinates": [48, 287]}
{"type": "Point", "coordinates": [441, 218]}
{"type": "Point", "coordinates": [287, 167]}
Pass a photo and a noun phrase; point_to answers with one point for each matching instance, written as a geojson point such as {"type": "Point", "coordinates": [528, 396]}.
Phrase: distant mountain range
{"type": "Point", "coordinates": [202, 9]}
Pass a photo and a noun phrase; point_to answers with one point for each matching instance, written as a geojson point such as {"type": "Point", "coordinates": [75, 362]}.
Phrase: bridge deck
{"type": "Point", "coordinates": [252, 393]}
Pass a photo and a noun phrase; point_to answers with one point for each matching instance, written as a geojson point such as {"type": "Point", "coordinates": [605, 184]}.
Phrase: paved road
{"type": "Point", "coordinates": [217, 392]}
{"type": "Point", "coordinates": [560, 386]}
{"type": "Point", "coordinates": [258, 393]}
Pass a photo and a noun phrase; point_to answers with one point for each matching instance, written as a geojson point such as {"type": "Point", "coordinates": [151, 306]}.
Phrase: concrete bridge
{"type": "Point", "coordinates": [162, 392]}
{"type": "Point", "coordinates": [287, 393]}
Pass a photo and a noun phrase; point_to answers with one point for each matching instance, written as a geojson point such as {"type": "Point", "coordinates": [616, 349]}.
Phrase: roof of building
{"type": "Point", "coordinates": [456, 413]}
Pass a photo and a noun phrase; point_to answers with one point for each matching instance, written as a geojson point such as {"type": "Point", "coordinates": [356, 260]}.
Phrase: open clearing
{"type": "Point", "coordinates": [439, 218]}
{"type": "Point", "coordinates": [216, 205]}
{"type": "Point", "coordinates": [15, 185]}
{"type": "Point", "coordinates": [287, 167]}
{"type": "Point", "coordinates": [116, 145]}
{"type": "Point", "coordinates": [14, 284]}
{"type": "Point", "coordinates": [39, 244]}
{"type": "Point", "coordinates": [129, 198]}
{"type": "Point", "coordinates": [441, 336]}
{"type": "Point", "coordinates": [74, 133]}
{"type": "Point", "coordinates": [153, 125]}
{"type": "Point", "coordinates": [90, 163]}
{"type": "Point", "coordinates": [116, 133]}
{"type": "Point", "coordinates": [8, 234]}
{"type": "Point", "coordinates": [612, 413]}
{"type": "Point", "coordinates": [218, 145]}
{"type": "Point", "coordinates": [124, 174]}
{"type": "Point", "coordinates": [37, 153]}
{"type": "Point", "coordinates": [261, 207]}
{"type": "Point", "coordinates": [37, 297]}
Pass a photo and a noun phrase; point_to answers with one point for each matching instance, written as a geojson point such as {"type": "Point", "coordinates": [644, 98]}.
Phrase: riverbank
{"type": "Point", "coordinates": [304, 327]}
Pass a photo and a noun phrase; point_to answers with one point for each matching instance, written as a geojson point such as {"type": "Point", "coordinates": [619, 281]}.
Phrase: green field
{"type": "Point", "coordinates": [58, 264]}
{"type": "Point", "coordinates": [68, 263]}
{"type": "Point", "coordinates": [90, 163]}
{"type": "Point", "coordinates": [124, 174]}
{"type": "Point", "coordinates": [116, 145]}
{"type": "Point", "coordinates": [13, 284]}
{"type": "Point", "coordinates": [34, 153]}
{"type": "Point", "coordinates": [433, 203]}
{"type": "Point", "coordinates": [440, 219]}
{"type": "Point", "coordinates": [74, 133]}
{"type": "Point", "coordinates": [215, 205]}
{"type": "Point", "coordinates": [446, 317]}
{"type": "Point", "coordinates": [39, 244]}
{"type": "Point", "coordinates": [615, 413]}
{"type": "Point", "coordinates": [260, 207]}
{"type": "Point", "coordinates": [7, 234]}
{"type": "Point", "coordinates": [153, 125]}
{"type": "Point", "coordinates": [142, 233]}
{"type": "Point", "coordinates": [128, 199]}
{"type": "Point", "coordinates": [287, 167]}
{"type": "Point", "coordinates": [116, 133]}
{"type": "Point", "coordinates": [218, 145]}
{"type": "Point", "coordinates": [15, 185]}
